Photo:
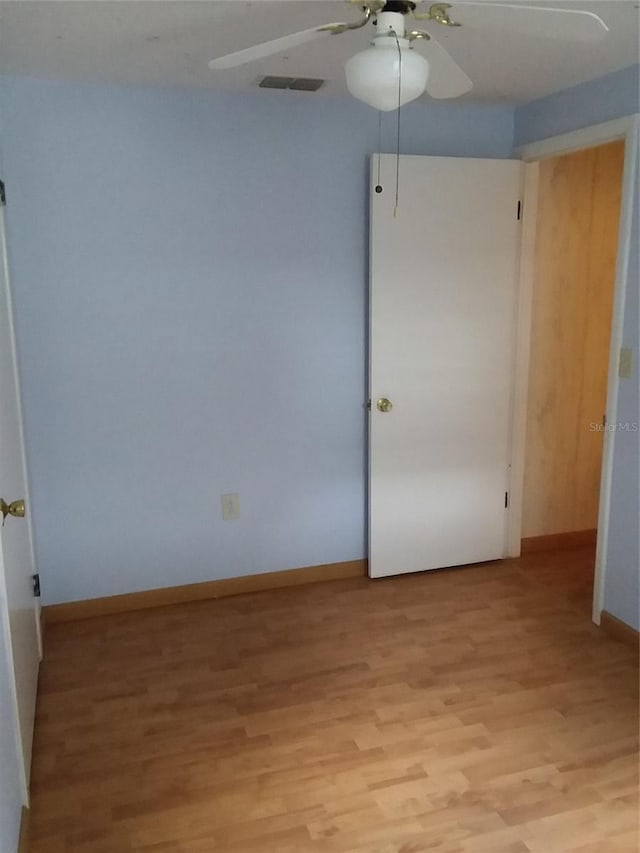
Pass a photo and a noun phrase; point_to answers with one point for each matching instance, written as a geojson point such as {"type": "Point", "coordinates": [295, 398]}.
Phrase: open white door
{"type": "Point", "coordinates": [443, 276]}
{"type": "Point", "coordinates": [16, 546]}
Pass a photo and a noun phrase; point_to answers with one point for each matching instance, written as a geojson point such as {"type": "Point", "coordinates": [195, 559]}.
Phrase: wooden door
{"type": "Point", "coordinates": [576, 249]}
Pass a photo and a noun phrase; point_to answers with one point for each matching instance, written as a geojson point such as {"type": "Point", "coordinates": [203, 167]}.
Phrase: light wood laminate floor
{"type": "Point", "coordinates": [471, 710]}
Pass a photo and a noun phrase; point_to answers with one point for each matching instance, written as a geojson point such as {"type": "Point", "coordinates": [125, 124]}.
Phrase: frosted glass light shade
{"type": "Point", "coordinates": [372, 74]}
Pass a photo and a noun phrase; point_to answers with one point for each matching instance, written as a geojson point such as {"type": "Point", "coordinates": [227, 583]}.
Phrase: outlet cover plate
{"type": "Point", "coordinates": [230, 507]}
{"type": "Point", "coordinates": [625, 367]}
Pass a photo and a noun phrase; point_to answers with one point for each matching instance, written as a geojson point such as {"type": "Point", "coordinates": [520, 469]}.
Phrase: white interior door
{"type": "Point", "coordinates": [443, 276]}
{"type": "Point", "coordinates": [21, 612]}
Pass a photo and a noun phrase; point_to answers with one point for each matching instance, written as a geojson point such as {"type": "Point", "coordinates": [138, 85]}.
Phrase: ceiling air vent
{"type": "Point", "coordinates": [298, 84]}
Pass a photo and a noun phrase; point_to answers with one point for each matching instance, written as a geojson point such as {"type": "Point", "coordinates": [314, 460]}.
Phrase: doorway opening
{"type": "Point", "coordinates": [575, 251]}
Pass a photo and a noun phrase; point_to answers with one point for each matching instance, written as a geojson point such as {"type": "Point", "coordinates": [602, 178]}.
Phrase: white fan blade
{"type": "Point", "coordinates": [542, 21]}
{"type": "Point", "coordinates": [268, 48]}
{"type": "Point", "coordinates": [446, 78]}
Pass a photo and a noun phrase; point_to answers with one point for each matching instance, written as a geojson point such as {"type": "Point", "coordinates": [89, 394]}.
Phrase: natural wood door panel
{"type": "Point", "coordinates": [575, 259]}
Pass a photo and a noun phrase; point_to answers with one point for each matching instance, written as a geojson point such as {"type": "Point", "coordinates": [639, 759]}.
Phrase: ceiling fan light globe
{"type": "Point", "coordinates": [372, 75]}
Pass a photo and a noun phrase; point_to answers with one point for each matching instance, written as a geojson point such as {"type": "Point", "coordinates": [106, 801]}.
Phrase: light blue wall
{"type": "Point", "coordinates": [10, 788]}
{"type": "Point", "coordinates": [190, 278]}
{"type": "Point", "coordinates": [190, 283]}
{"type": "Point", "coordinates": [603, 99]}
{"type": "Point", "coordinates": [591, 103]}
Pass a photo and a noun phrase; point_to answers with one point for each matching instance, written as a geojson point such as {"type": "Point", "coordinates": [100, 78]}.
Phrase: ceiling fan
{"type": "Point", "coordinates": [390, 72]}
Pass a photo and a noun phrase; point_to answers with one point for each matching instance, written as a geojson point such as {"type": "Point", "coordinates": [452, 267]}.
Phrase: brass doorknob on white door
{"type": "Point", "coordinates": [384, 405]}
{"type": "Point", "coordinates": [15, 508]}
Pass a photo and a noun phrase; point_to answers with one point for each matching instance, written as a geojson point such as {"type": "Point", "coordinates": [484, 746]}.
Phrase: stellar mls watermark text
{"type": "Point", "coordinates": [621, 426]}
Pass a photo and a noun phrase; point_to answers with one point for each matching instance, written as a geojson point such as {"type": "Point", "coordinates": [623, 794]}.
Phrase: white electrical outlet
{"type": "Point", "coordinates": [230, 507]}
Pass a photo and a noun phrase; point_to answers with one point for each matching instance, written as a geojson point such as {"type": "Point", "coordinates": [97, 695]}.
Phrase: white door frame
{"type": "Point", "coordinates": [4, 260]}
{"type": "Point", "coordinates": [626, 128]}
{"type": "Point", "coordinates": [37, 609]}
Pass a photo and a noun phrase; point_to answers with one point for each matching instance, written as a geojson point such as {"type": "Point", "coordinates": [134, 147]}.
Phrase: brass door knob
{"type": "Point", "coordinates": [384, 405]}
{"type": "Point", "coordinates": [15, 508]}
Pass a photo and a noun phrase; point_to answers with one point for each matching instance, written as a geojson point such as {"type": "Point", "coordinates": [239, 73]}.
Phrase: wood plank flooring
{"type": "Point", "coordinates": [471, 710]}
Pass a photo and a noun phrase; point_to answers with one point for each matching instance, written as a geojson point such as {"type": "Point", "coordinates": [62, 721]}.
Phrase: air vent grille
{"type": "Point", "coordinates": [297, 84]}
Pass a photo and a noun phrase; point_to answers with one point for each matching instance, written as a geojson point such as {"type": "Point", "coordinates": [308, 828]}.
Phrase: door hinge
{"type": "Point", "coordinates": [36, 585]}
{"type": "Point", "coordinates": [3, 195]}
{"type": "Point", "coordinates": [506, 500]}
{"type": "Point", "coordinates": [519, 214]}
{"type": "Point", "coordinates": [604, 421]}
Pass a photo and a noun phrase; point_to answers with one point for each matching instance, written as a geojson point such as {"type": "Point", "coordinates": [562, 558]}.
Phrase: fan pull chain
{"type": "Point", "coordinates": [395, 209]}
{"type": "Point", "coordinates": [379, 185]}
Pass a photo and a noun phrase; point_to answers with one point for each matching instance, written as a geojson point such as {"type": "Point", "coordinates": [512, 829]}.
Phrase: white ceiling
{"type": "Point", "coordinates": [170, 42]}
